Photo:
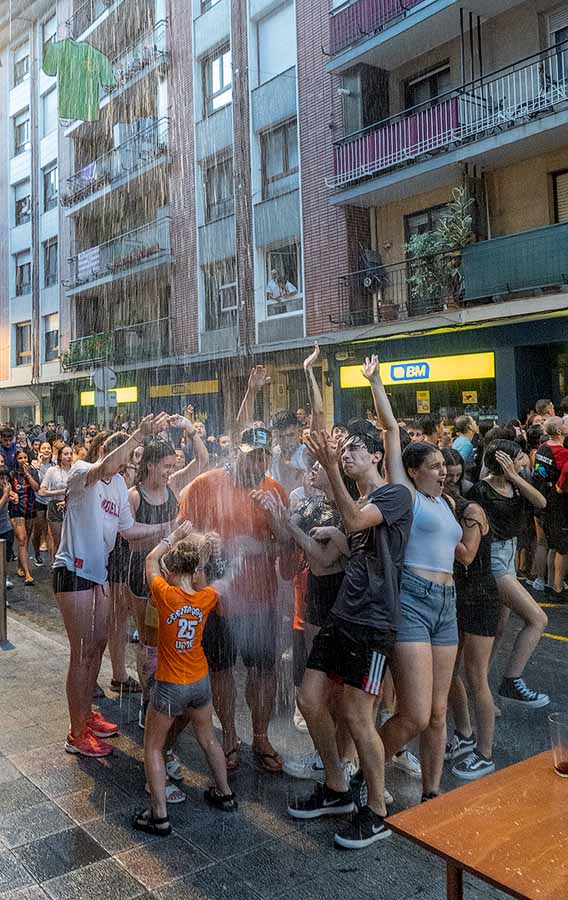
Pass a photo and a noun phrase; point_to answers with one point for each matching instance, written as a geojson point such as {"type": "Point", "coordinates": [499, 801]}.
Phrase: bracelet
{"type": "Point", "coordinates": [166, 541]}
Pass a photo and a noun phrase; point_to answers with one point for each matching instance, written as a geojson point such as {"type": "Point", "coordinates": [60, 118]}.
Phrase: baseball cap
{"type": "Point", "coordinates": [255, 439]}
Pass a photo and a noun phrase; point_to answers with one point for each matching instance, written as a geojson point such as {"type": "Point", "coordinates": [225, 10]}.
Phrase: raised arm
{"type": "Point", "coordinates": [199, 464]}
{"type": "Point", "coordinates": [529, 492]}
{"type": "Point", "coordinates": [257, 380]}
{"type": "Point", "coordinates": [153, 559]}
{"type": "Point", "coordinates": [114, 461]}
{"type": "Point", "coordinates": [316, 399]}
{"type": "Point", "coordinates": [394, 468]}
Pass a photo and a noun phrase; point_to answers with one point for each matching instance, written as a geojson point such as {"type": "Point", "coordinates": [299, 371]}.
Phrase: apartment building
{"type": "Point", "coordinates": [438, 96]}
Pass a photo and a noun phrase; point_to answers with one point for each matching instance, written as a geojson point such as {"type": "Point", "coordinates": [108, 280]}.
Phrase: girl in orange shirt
{"type": "Point", "coordinates": [175, 573]}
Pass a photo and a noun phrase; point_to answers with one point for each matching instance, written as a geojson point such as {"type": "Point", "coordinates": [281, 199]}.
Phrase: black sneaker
{"type": "Point", "coordinates": [459, 745]}
{"type": "Point", "coordinates": [473, 766]}
{"type": "Point", "coordinates": [322, 802]}
{"type": "Point", "coordinates": [360, 791]}
{"type": "Point", "coordinates": [365, 828]}
{"type": "Point", "coordinates": [515, 689]}
{"type": "Point", "coordinates": [38, 560]}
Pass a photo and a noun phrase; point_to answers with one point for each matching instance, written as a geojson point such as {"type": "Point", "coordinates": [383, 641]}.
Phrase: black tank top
{"type": "Point", "coordinates": [151, 514]}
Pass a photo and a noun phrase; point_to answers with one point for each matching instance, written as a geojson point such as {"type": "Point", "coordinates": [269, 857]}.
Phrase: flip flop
{"type": "Point", "coordinates": [145, 821]}
{"type": "Point", "coordinates": [262, 760]}
{"type": "Point", "coordinates": [234, 765]}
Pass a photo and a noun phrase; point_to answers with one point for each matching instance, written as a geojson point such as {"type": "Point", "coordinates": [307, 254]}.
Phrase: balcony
{"type": "Point", "coordinates": [141, 152]}
{"type": "Point", "coordinates": [362, 18]}
{"type": "Point", "coordinates": [127, 344]}
{"type": "Point", "coordinates": [518, 95]}
{"type": "Point", "coordinates": [533, 263]}
{"type": "Point", "coordinates": [137, 250]}
{"type": "Point", "coordinates": [87, 14]}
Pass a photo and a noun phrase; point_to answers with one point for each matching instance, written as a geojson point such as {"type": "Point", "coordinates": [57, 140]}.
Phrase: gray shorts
{"type": "Point", "coordinates": [427, 612]}
{"type": "Point", "coordinates": [175, 699]}
{"type": "Point", "coordinates": [503, 558]}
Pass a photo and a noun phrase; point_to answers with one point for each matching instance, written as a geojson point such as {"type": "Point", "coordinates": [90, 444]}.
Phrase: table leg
{"type": "Point", "coordinates": [454, 882]}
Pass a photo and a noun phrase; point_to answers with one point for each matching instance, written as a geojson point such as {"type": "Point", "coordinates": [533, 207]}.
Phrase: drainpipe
{"type": "Point", "coordinates": [34, 135]}
{"type": "Point", "coordinates": [462, 46]}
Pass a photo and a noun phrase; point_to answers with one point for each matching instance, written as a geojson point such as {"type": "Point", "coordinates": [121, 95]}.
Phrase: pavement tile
{"type": "Point", "coordinates": [217, 882]}
{"type": "Point", "coordinates": [106, 880]}
{"type": "Point", "coordinates": [56, 781]}
{"type": "Point", "coordinates": [59, 853]}
{"type": "Point", "coordinates": [33, 892]}
{"type": "Point", "coordinates": [19, 795]}
{"type": "Point", "coordinates": [13, 875]}
{"type": "Point", "coordinates": [218, 834]}
{"type": "Point", "coordinates": [165, 859]}
{"type": "Point", "coordinates": [21, 739]}
{"type": "Point", "coordinates": [8, 772]}
{"type": "Point", "coordinates": [32, 824]}
{"type": "Point", "coordinates": [275, 868]}
{"type": "Point", "coordinates": [94, 802]}
{"type": "Point", "coordinates": [114, 831]}
{"type": "Point", "coordinates": [331, 886]}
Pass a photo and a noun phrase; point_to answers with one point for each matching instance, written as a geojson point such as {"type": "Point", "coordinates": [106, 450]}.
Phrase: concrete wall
{"type": "Point", "coordinates": [521, 195]}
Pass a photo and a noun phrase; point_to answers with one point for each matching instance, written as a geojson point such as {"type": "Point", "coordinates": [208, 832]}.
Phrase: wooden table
{"type": "Point", "coordinates": [509, 829]}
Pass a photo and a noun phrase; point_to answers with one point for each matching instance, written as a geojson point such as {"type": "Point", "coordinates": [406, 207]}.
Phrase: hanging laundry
{"type": "Point", "coordinates": [82, 70]}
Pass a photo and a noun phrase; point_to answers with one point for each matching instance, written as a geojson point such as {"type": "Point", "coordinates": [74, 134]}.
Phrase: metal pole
{"type": "Point", "coordinates": [471, 52]}
{"type": "Point", "coordinates": [462, 36]}
{"type": "Point", "coordinates": [3, 598]}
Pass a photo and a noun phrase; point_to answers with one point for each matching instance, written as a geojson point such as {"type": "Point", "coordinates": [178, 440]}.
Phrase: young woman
{"type": "Point", "coordinates": [53, 487]}
{"type": "Point", "coordinates": [23, 509]}
{"type": "Point", "coordinates": [41, 466]}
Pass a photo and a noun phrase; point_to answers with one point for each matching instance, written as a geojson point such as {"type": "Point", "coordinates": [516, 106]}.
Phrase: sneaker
{"type": "Point", "coordinates": [322, 802]}
{"type": "Point", "coordinates": [515, 689]}
{"type": "Point", "coordinates": [538, 584]}
{"type": "Point", "coordinates": [360, 791]}
{"type": "Point", "coordinates": [310, 767]}
{"type": "Point", "coordinates": [350, 769]}
{"type": "Point", "coordinates": [407, 761]}
{"type": "Point", "coordinates": [87, 744]}
{"type": "Point", "coordinates": [459, 745]}
{"type": "Point", "coordinates": [38, 561]}
{"type": "Point", "coordinates": [135, 637]}
{"type": "Point", "coordinates": [9, 584]}
{"type": "Point", "coordinates": [100, 727]}
{"type": "Point", "coordinates": [299, 721]}
{"type": "Point", "coordinates": [473, 766]}
{"type": "Point", "coordinates": [365, 829]}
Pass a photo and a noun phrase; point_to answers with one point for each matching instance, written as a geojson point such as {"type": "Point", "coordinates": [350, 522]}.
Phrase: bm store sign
{"type": "Point", "coordinates": [466, 367]}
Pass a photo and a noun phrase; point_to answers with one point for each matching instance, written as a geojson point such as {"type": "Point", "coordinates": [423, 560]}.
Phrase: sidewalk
{"type": "Point", "coordinates": [65, 822]}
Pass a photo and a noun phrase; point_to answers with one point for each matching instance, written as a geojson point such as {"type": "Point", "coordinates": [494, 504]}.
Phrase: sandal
{"type": "Point", "coordinates": [263, 762]}
{"type": "Point", "coordinates": [224, 802]}
{"type": "Point", "coordinates": [130, 686]}
{"type": "Point", "coordinates": [173, 794]}
{"type": "Point", "coordinates": [173, 766]}
{"type": "Point", "coordinates": [29, 580]}
{"type": "Point", "coordinates": [236, 752]}
{"type": "Point", "coordinates": [146, 821]}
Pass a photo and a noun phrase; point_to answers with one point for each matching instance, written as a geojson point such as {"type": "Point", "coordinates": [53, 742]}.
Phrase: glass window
{"type": "Point", "coordinates": [50, 262]}
{"type": "Point", "coordinates": [423, 221]}
{"type": "Point", "coordinates": [49, 112]}
{"type": "Point", "coordinates": [23, 203]}
{"type": "Point", "coordinates": [218, 91]}
{"type": "Point", "coordinates": [21, 63]}
{"type": "Point", "coordinates": [23, 273]}
{"type": "Point", "coordinates": [221, 295]}
{"type": "Point", "coordinates": [50, 187]}
{"type": "Point", "coordinates": [428, 86]}
{"type": "Point", "coordinates": [23, 344]}
{"type": "Point", "coordinates": [283, 280]}
{"type": "Point", "coordinates": [280, 160]}
{"type": "Point", "coordinates": [207, 4]}
{"type": "Point", "coordinates": [219, 190]}
{"type": "Point", "coordinates": [276, 43]}
{"type": "Point", "coordinates": [49, 31]}
{"type": "Point", "coordinates": [51, 337]}
{"type": "Point", "coordinates": [21, 132]}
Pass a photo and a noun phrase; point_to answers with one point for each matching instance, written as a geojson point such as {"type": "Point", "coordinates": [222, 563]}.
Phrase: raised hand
{"type": "Point", "coordinates": [182, 422]}
{"type": "Point", "coordinates": [160, 423]}
{"type": "Point", "coordinates": [323, 449]}
{"type": "Point", "coordinates": [182, 531]}
{"type": "Point", "coordinates": [258, 379]}
{"type": "Point", "coordinates": [370, 370]}
{"type": "Point", "coordinates": [312, 359]}
{"type": "Point", "coordinates": [507, 465]}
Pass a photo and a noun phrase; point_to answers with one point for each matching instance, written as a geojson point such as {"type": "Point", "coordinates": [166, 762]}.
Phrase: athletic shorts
{"type": "Point", "coordinates": [478, 606]}
{"type": "Point", "coordinates": [137, 575]}
{"type": "Point", "coordinates": [427, 612]}
{"type": "Point", "coordinates": [504, 558]}
{"type": "Point", "coordinates": [175, 699]}
{"type": "Point", "coordinates": [54, 511]}
{"type": "Point", "coordinates": [349, 658]}
{"type": "Point", "coordinates": [322, 591]}
{"type": "Point", "coordinates": [66, 582]}
{"type": "Point", "coordinates": [299, 656]}
{"type": "Point", "coordinates": [253, 636]}
{"type": "Point", "coordinates": [117, 565]}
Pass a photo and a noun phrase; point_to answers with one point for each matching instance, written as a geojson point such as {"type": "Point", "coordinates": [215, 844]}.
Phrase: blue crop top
{"type": "Point", "coordinates": [434, 535]}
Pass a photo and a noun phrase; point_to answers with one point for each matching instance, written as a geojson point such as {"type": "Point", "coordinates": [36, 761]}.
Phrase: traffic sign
{"type": "Point", "coordinates": [104, 378]}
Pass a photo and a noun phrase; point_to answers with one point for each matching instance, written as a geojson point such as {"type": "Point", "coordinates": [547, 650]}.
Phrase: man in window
{"type": "Point", "coordinates": [278, 287]}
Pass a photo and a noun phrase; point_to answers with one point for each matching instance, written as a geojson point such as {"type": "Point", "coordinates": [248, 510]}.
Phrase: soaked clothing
{"type": "Point", "coordinates": [506, 515]}
{"type": "Point", "coordinates": [321, 590]}
{"type": "Point", "coordinates": [148, 514]}
{"type": "Point", "coordinates": [25, 506]}
{"type": "Point", "coordinates": [434, 535]}
{"type": "Point", "coordinates": [182, 618]}
{"type": "Point", "coordinates": [478, 601]}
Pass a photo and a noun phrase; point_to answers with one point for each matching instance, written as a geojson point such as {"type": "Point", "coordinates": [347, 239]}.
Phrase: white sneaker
{"type": "Point", "coordinates": [309, 767]}
{"type": "Point", "coordinates": [299, 721]}
{"type": "Point", "coordinates": [9, 584]}
{"type": "Point", "coordinates": [408, 763]}
{"type": "Point", "coordinates": [349, 768]}
{"type": "Point", "coordinates": [538, 584]}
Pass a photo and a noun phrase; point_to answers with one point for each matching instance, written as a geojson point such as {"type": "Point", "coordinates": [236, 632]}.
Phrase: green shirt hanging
{"type": "Point", "coordinates": [82, 70]}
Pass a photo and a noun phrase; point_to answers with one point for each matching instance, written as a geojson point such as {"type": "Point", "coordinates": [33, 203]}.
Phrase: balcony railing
{"type": "Point", "coordinates": [512, 96]}
{"type": "Point", "coordinates": [84, 16]}
{"type": "Point", "coordinates": [150, 49]}
{"type": "Point", "coordinates": [147, 145]}
{"type": "Point", "coordinates": [141, 245]}
{"type": "Point", "coordinates": [363, 18]}
{"type": "Point", "coordinates": [130, 343]}
{"type": "Point", "coordinates": [503, 268]}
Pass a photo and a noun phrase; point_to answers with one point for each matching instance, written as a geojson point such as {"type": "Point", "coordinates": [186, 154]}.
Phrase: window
{"type": "Point", "coordinates": [221, 295]}
{"type": "Point", "coordinates": [558, 28]}
{"type": "Point", "coordinates": [51, 337]}
{"type": "Point", "coordinates": [23, 203]}
{"type": "Point", "coordinates": [49, 112]}
{"type": "Point", "coordinates": [217, 87]}
{"type": "Point", "coordinates": [50, 187]}
{"type": "Point", "coordinates": [283, 280]}
{"type": "Point", "coordinates": [219, 190]}
{"type": "Point", "coordinates": [280, 160]}
{"type": "Point", "coordinates": [49, 31]}
{"type": "Point", "coordinates": [23, 344]}
{"type": "Point", "coordinates": [423, 221]}
{"type": "Point", "coordinates": [207, 4]}
{"type": "Point", "coordinates": [276, 36]}
{"type": "Point", "coordinates": [428, 86]}
{"type": "Point", "coordinates": [560, 182]}
{"type": "Point", "coordinates": [21, 132]}
{"type": "Point", "coordinates": [23, 273]}
{"type": "Point", "coordinates": [50, 262]}
{"type": "Point", "coordinates": [21, 60]}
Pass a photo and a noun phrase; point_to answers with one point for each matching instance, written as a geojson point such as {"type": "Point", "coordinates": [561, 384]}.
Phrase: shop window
{"type": "Point", "coordinates": [280, 160]}
{"type": "Point", "coordinates": [217, 81]}
{"type": "Point", "coordinates": [50, 187]}
{"type": "Point", "coordinates": [21, 61]}
{"type": "Point", "coordinates": [23, 343]}
{"type": "Point", "coordinates": [21, 132]}
{"type": "Point", "coordinates": [276, 40]}
{"type": "Point", "coordinates": [23, 273]}
{"type": "Point", "coordinates": [22, 203]}
{"type": "Point", "coordinates": [49, 112]}
{"type": "Point", "coordinates": [426, 87]}
{"type": "Point", "coordinates": [221, 295]}
{"type": "Point", "coordinates": [219, 190]}
{"type": "Point", "coordinates": [50, 262]}
{"type": "Point", "coordinates": [51, 337]}
{"type": "Point", "coordinates": [283, 280]}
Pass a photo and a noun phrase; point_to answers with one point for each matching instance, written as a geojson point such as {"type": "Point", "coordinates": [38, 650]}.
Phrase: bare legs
{"type": "Point", "coordinates": [22, 530]}
{"type": "Point", "coordinates": [517, 599]}
{"type": "Point", "coordinates": [118, 631]}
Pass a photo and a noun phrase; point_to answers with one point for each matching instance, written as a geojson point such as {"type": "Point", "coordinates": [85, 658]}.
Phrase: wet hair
{"type": "Point", "coordinates": [184, 558]}
{"type": "Point", "coordinates": [59, 451]}
{"type": "Point", "coordinates": [541, 406]}
{"type": "Point", "coordinates": [405, 438]}
{"type": "Point", "coordinates": [97, 441]}
{"type": "Point", "coordinates": [500, 433]}
{"type": "Point", "coordinates": [366, 432]}
{"type": "Point", "coordinates": [430, 424]}
{"type": "Point", "coordinates": [511, 448]}
{"type": "Point", "coordinates": [283, 419]}
{"type": "Point", "coordinates": [453, 458]}
{"type": "Point", "coordinates": [154, 452]}
{"type": "Point", "coordinates": [535, 434]}
{"type": "Point", "coordinates": [414, 425]}
{"type": "Point", "coordinates": [341, 425]}
{"type": "Point", "coordinates": [416, 454]}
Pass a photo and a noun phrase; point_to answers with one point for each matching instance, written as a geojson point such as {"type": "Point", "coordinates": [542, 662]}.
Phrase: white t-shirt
{"type": "Point", "coordinates": [93, 518]}
{"type": "Point", "coordinates": [55, 479]}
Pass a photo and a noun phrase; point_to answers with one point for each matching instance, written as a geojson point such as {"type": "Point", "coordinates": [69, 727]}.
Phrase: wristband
{"type": "Point", "coordinates": [167, 541]}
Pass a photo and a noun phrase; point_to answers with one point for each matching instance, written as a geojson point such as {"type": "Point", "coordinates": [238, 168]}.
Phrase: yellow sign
{"type": "Point", "coordinates": [185, 387]}
{"type": "Point", "coordinates": [469, 396]}
{"type": "Point", "coordinates": [423, 401]}
{"type": "Point", "coordinates": [412, 371]}
{"type": "Point", "coordinates": [123, 395]}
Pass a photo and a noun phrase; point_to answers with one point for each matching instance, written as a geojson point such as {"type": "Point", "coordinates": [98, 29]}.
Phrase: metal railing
{"type": "Point", "coordinates": [128, 343]}
{"type": "Point", "coordinates": [125, 252]}
{"type": "Point", "coordinates": [362, 18]}
{"type": "Point", "coordinates": [512, 96]}
{"type": "Point", "coordinates": [150, 49]}
{"type": "Point", "coordinates": [84, 16]}
{"type": "Point", "coordinates": [145, 146]}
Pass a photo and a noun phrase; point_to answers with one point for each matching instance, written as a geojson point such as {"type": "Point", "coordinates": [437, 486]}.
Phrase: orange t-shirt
{"type": "Point", "coordinates": [213, 502]}
{"type": "Point", "coordinates": [182, 617]}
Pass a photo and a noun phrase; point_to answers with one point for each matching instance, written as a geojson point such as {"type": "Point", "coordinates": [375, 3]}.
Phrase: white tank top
{"type": "Point", "coordinates": [434, 535]}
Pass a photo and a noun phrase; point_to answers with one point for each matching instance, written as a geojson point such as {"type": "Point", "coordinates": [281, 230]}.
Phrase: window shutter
{"type": "Point", "coordinates": [558, 20]}
{"type": "Point", "coordinates": [561, 196]}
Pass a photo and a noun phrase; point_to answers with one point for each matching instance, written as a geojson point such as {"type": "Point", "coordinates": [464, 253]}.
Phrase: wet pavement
{"type": "Point", "coordinates": [65, 822]}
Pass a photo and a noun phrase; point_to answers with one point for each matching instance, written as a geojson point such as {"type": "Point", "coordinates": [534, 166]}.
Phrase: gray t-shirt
{"type": "Point", "coordinates": [369, 595]}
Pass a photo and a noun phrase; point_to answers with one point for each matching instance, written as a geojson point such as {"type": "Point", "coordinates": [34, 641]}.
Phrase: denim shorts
{"type": "Point", "coordinates": [175, 699]}
{"type": "Point", "coordinates": [427, 612]}
{"type": "Point", "coordinates": [503, 556]}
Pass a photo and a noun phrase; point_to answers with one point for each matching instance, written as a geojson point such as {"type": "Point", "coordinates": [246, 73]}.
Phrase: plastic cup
{"type": "Point", "coordinates": [558, 723]}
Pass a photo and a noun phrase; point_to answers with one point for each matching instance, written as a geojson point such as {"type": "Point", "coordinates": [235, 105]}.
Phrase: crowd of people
{"type": "Point", "coordinates": [389, 554]}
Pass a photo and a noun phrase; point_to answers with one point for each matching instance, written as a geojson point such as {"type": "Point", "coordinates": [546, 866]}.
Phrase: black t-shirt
{"type": "Point", "coordinates": [369, 594]}
{"type": "Point", "coordinates": [506, 514]}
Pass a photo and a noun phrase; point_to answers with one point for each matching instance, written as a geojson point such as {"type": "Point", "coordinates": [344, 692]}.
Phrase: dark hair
{"type": "Point", "coordinates": [462, 424]}
{"type": "Point", "coordinates": [453, 458]}
{"type": "Point", "coordinates": [414, 424]}
{"type": "Point", "coordinates": [416, 454]}
{"type": "Point", "coordinates": [93, 451]}
{"type": "Point", "coordinates": [430, 424]}
{"type": "Point", "coordinates": [564, 405]}
{"type": "Point", "coordinates": [367, 434]}
{"type": "Point", "coordinates": [154, 452]}
{"type": "Point", "coordinates": [60, 451]}
{"type": "Point", "coordinates": [283, 418]}
{"type": "Point", "coordinates": [22, 450]}
{"type": "Point", "coordinates": [535, 435]}
{"type": "Point", "coordinates": [511, 448]}
{"type": "Point", "coordinates": [405, 438]}
{"type": "Point", "coordinates": [500, 433]}
{"type": "Point", "coordinates": [340, 425]}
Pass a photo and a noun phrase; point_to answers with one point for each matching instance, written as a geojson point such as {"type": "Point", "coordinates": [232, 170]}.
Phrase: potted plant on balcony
{"type": "Point", "coordinates": [87, 350]}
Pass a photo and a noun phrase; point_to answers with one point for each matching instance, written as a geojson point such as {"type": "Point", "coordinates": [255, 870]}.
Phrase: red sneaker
{"type": "Point", "coordinates": [100, 727]}
{"type": "Point", "coordinates": [87, 744]}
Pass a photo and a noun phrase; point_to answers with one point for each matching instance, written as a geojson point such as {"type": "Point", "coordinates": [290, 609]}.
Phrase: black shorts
{"type": "Point", "coordinates": [299, 656]}
{"type": "Point", "coordinates": [66, 582]}
{"type": "Point", "coordinates": [321, 595]}
{"type": "Point", "coordinates": [117, 566]}
{"type": "Point", "coordinates": [555, 523]}
{"type": "Point", "coordinates": [137, 575]}
{"type": "Point", "coordinates": [253, 636]}
{"type": "Point", "coordinates": [478, 609]}
{"type": "Point", "coordinates": [351, 657]}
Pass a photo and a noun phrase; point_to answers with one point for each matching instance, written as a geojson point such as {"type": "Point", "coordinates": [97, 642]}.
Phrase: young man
{"type": "Point", "coordinates": [289, 460]}
{"type": "Point", "coordinates": [466, 428]}
{"type": "Point", "coordinates": [353, 647]}
{"type": "Point", "coordinates": [433, 430]}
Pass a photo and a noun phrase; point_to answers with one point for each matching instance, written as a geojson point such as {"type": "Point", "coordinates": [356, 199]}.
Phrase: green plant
{"type": "Point", "coordinates": [86, 350]}
{"type": "Point", "coordinates": [455, 228]}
